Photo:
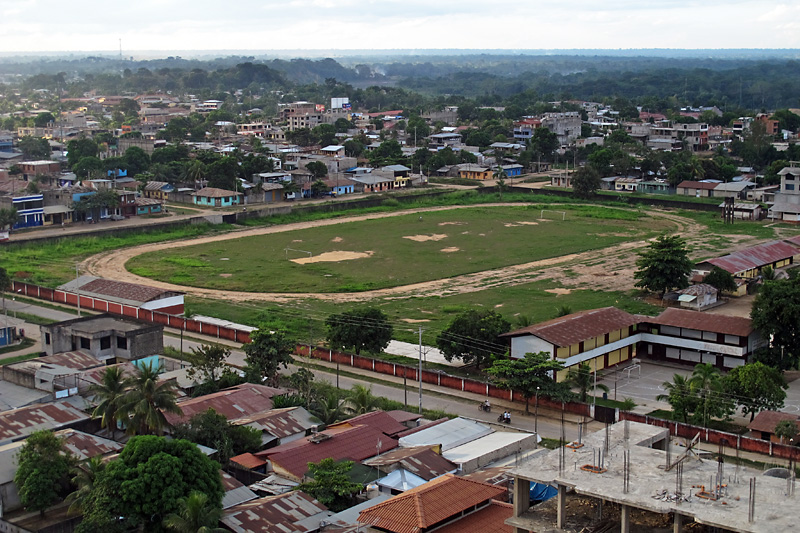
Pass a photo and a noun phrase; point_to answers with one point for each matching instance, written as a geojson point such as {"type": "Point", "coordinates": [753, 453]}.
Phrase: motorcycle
{"type": "Point", "coordinates": [485, 408]}
{"type": "Point", "coordinates": [504, 420]}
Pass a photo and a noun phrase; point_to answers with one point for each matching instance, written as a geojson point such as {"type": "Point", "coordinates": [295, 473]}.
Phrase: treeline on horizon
{"type": "Point", "coordinates": [488, 79]}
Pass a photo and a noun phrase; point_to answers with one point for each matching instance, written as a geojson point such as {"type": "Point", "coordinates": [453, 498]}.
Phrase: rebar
{"type": "Point", "coordinates": [751, 509]}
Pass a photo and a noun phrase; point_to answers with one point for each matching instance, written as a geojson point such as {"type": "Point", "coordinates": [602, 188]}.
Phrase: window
{"type": "Point", "coordinates": [105, 343]}
{"type": "Point", "coordinates": [47, 338]}
{"type": "Point", "coordinates": [85, 343]}
{"type": "Point", "coordinates": [122, 343]}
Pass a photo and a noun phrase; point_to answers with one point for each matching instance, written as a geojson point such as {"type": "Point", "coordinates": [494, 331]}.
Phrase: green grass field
{"type": "Point", "coordinates": [398, 250]}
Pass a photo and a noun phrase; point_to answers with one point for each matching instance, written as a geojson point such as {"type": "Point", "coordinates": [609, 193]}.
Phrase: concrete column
{"type": "Point", "coordinates": [625, 519]}
{"type": "Point", "coordinates": [562, 506]}
{"type": "Point", "coordinates": [677, 524]}
{"type": "Point", "coordinates": [522, 496]}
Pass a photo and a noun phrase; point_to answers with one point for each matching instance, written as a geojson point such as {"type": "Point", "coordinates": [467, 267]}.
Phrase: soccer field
{"type": "Point", "coordinates": [394, 251]}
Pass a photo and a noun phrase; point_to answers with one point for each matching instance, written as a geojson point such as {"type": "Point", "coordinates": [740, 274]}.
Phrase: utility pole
{"type": "Point", "coordinates": [77, 289]}
{"type": "Point", "coordinates": [419, 376]}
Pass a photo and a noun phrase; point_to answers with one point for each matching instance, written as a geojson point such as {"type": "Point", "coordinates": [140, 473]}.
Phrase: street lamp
{"type": "Point", "coordinates": [536, 414]}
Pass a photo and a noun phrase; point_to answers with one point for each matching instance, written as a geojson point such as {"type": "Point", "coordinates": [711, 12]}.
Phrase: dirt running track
{"type": "Point", "coordinates": [609, 269]}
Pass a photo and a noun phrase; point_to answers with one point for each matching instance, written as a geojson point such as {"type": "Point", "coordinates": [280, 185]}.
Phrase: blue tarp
{"type": "Point", "coordinates": [541, 492]}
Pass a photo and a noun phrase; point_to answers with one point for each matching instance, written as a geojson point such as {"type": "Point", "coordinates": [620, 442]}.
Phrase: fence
{"type": "Point", "coordinates": [713, 436]}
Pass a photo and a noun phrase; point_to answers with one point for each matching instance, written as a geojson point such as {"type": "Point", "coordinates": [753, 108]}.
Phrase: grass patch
{"type": "Point", "coordinates": [455, 181]}
{"type": "Point", "coordinates": [26, 343]}
{"type": "Point", "coordinates": [35, 319]}
{"type": "Point", "coordinates": [551, 444]}
{"type": "Point", "coordinates": [477, 239]}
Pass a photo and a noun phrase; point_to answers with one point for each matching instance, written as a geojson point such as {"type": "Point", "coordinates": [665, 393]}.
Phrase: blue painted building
{"type": "Point", "coordinates": [30, 210]}
{"type": "Point", "coordinates": [513, 170]}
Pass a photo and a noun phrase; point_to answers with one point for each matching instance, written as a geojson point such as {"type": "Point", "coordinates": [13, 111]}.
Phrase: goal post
{"type": "Point", "coordinates": [562, 213]}
{"type": "Point", "coordinates": [287, 250]}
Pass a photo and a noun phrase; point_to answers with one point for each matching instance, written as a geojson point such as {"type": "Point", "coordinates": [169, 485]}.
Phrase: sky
{"type": "Point", "coordinates": [89, 25]}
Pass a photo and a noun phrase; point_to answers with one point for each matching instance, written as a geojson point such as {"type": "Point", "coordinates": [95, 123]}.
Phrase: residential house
{"type": "Point", "coordinates": [159, 190]}
{"type": "Point", "coordinates": [406, 468]}
{"type": "Point", "coordinates": [446, 435]}
{"type": "Point", "coordinates": [733, 189]}
{"type": "Point", "coordinates": [373, 182]}
{"type": "Point", "coordinates": [105, 337]}
{"type": "Point", "coordinates": [698, 189]}
{"type": "Point", "coordinates": [471, 171]}
{"type": "Point", "coordinates": [30, 210]}
{"type": "Point", "coordinates": [273, 192]}
{"type": "Point", "coordinates": [599, 337]}
{"type": "Point", "coordinates": [148, 206]}
{"type": "Point", "coordinates": [281, 426]}
{"type": "Point", "coordinates": [448, 503]}
{"type": "Point", "coordinates": [234, 403]}
{"type": "Point", "coordinates": [341, 443]}
{"type": "Point", "coordinates": [512, 171]}
{"type": "Point", "coordinates": [523, 129]}
{"type": "Point", "coordinates": [440, 140]}
{"type": "Point", "coordinates": [626, 184]}
{"type": "Point", "coordinates": [291, 512]}
{"type": "Point", "coordinates": [31, 169]}
{"type": "Point", "coordinates": [764, 423]}
{"type": "Point", "coordinates": [566, 126]}
{"type": "Point", "coordinates": [745, 211]}
{"type": "Point", "coordinates": [340, 185]}
{"type": "Point", "coordinates": [119, 293]}
{"type": "Point", "coordinates": [656, 187]}
{"type": "Point", "coordinates": [18, 424]}
{"type": "Point", "coordinates": [380, 420]}
{"type": "Point", "coordinates": [213, 197]}
{"type": "Point", "coordinates": [52, 373]}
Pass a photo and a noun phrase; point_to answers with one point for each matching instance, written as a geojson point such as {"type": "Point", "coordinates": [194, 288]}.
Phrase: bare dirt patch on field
{"type": "Point", "coordinates": [414, 320]}
{"type": "Point", "coordinates": [225, 275]}
{"type": "Point", "coordinates": [332, 257]}
{"type": "Point", "coordinates": [337, 239]}
{"type": "Point", "coordinates": [452, 224]}
{"type": "Point", "coordinates": [450, 249]}
{"type": "Point", "coordinates": [559, 291]}
{"type": "Point", "coordinates": [426, 238]}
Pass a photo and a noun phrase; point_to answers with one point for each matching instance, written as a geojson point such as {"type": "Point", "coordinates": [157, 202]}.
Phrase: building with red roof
{"type": "Point", "coordinates": [236, 402]}
{"type": "Point", "coordinates": [445, 501]}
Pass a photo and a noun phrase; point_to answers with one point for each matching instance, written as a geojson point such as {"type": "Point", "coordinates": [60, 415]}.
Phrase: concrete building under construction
{"type": "Point", "coordinates": [633, 477]}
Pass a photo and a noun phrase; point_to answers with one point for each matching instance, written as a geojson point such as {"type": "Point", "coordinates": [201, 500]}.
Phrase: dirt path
{"type": "Point", "coordinates": [610, 269]}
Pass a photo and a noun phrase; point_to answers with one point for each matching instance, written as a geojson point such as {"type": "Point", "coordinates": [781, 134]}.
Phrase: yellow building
{"type": "Point", "coordinates": [599, 337]}
{"type": "Point", "coordinates": [474, 172]}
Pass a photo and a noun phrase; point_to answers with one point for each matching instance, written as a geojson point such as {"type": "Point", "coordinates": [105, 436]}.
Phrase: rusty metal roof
{"type": "Point", "coordinates": [234, 403]}
{"type": "Point", "coordinates": [65, 360]}
{"type": "Point", "coordinates": [278, 514]}
{"type": "Point", "coordinates": [684, 318]}
{"type": "Point", "coordinates": [380, 420]}
{"type": "Point", "coordinates": [697, 185]}
{"type": "Point", "coordinates": [754, 257]}
{"type": "Point", "coordinates": [429, 504]}
{"type": "Point", "coordinates": [577, 327]}
{"type": "Point", "coordinates": [18, 423]}
{"type": "Point", "coordinates": [419, 460]}
{"type": "Point", "coordinates": [280, 422]}
{"type": "Point", "coordinates": [348, 443]}
{"type": "Point", "coordinates": [248, 460]}
{"type": "Point", "coordinates": [85, 446]}
{"type": "Point", "coordinates": [766, 421]}
{"type": "Point", "coordinates": [123, 291]}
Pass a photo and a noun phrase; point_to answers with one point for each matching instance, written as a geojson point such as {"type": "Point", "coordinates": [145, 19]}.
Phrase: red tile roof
{"type": "Point", "coordinates": [755, 257]}
{"type": "Point", "coordinates": [577, 327]}
{"type": "Point", "coordinates": [684, 318]}
{"type": "Point", "coordinates": [380, 420]}
{"type": "Point", "coordinates": [236, 402]}
{"type": "Point", "coordinates": [429, 504]}
{"type": "Point", "coordinates": [765, 421]}
{"type": "Point", "coordinates": [343, 443]}
{"type": "Point", "coordinates": [489, 519]}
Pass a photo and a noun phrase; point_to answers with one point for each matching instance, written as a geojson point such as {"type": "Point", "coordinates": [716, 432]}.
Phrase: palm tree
{"type": "Point", "coordinates": [195, 171]}
{"type": "Point", "coordinates": [581, 377]}
{"type": "Point", "coordinates": [195, 515]}
{"type": "Point", "coordinates": [706, 383]}
{"type": "Point", "coordinates": [329, 409]}
{"type": "Point", "coordinates": [360, 400]}
{"type": "Point", "coordinates": [147, 400]}
{"type": "Point", "coordinates": [84, 479]}
{"type": "Point", "coordinates": [679, 396]}
{"type": "Point", "coordinates": [110, 392]}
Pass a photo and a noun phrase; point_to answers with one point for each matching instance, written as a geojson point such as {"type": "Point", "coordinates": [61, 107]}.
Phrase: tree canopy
{"type": "Point", "coordinates": [472, 337]}
{"type": "Point", "coordinates": [43, 468]}
{"type": "Point", "coordinates": [664, 265]}
{"type": "Point", "coordinates": [776, 314]}
{"type": "Point", "coordinates": [722, 280]}
{"type": "Point", "coordinates": [330, 483]}
{"type": "Point", "coordinates": [366, 328]}
{"type": "Point", "coordinates": [529, 375]}
{"type": "Point", "coordinates": [756, 387]}
{"type": "Point", "coordinates": [585, 181]}
{"type": "Point", "coordinates": [213, 430]}
{"type": "Point", "coordinates": [266, 353]}
{"type": "Point", "coordinates": [208, 362]}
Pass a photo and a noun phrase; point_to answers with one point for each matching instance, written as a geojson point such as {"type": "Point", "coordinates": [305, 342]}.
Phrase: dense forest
{"type": "Point", "coordinates": [736, 82]}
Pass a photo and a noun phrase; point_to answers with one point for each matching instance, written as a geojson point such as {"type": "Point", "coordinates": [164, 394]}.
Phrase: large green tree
{"type": "Point", "coordinates": [213, 430]}
{"type": "Point", "coordinates": [472, 337]}
{"type": "Point", "coordinates": [8, 217]}
{"type": "Point", "coordinates": [329, 482]}
{"type": "Point", "coordinates": [756, 387]}
{"type": "Point", "coordinates": [367, 328]}
{"type": "Point", "coordinates": [208, 362]}
{"type": "Point", "coordinates": [43, 467]}
{"type": "Point", "coordinates": [585, 182]}
{"type": "Point", "coordinates": [266, 353]}
{"type": "Point", "coordinates": [664, 265]}
{"type": "Point", "coordinates": [34, 147]}
{"type": "Point", "coordinates": [530, 375]}
{"type": "Point", "coordinates": [776, 315]}
{"type": "Point", "coordinates": [722, 280]}
{"type": "Point", "coordinates": [146, 483]}
{"type": "Point", "coordinates": [195, 514]}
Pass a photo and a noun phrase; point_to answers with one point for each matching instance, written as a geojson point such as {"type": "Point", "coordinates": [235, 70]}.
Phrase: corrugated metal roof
{"type": "Point", "coordinates": [118, 291]}
{"type": "Point", "coordinates": [578, 327]}
{"type": "Point", "coordinates": [684, 318]}
{"type": "Point", "coordinates": [18, 423]}
{"type": "Point", "coordinates": [234, 403]}
{"type": "Point", "coordinates": [754, 257]}
{"type": "Point", "coordinates": [767, 420]}
{"type": "Point", "coordinates": [449, 434]}
{"type": "Point", "coordinates": [279, 514]}
{"type": "Point", "coordinates": [429, 504]}
{"type": "Point", "coordinates": [380, 420]}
